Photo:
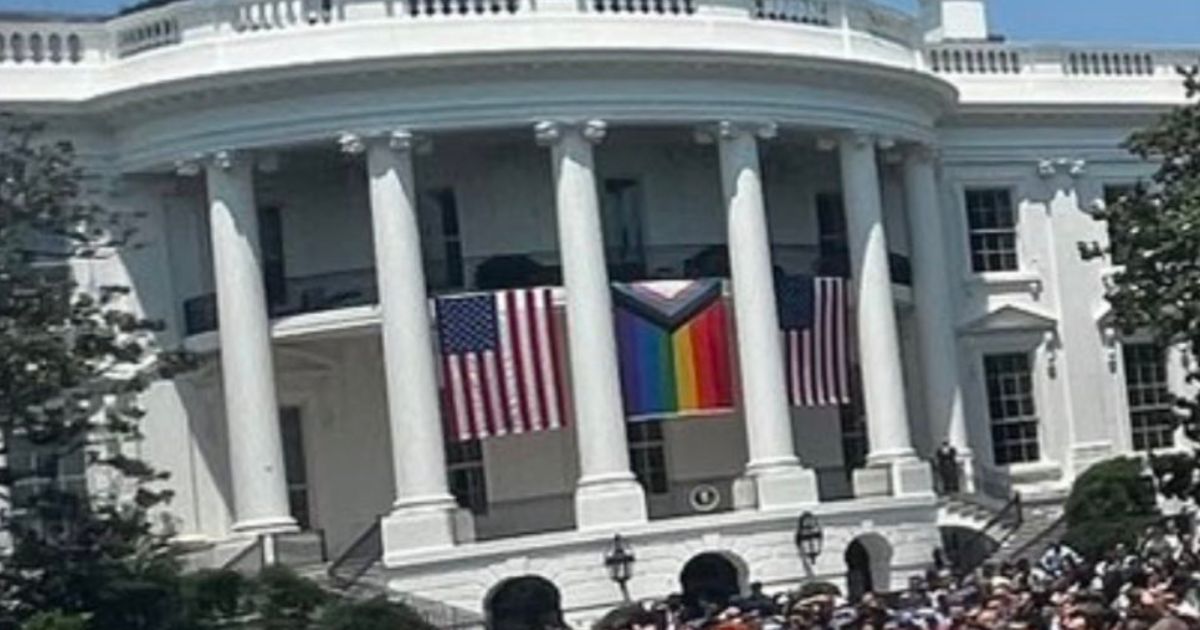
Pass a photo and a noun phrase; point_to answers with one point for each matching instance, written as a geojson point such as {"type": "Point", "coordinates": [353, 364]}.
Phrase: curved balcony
{"type": "Point", "coordinates": [357, 287]}
{"type": "Point", "coordinates": [194, 39]}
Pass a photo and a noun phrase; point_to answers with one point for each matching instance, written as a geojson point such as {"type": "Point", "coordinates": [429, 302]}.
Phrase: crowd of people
{"type": "Point", "coordinates": [1153, 585]}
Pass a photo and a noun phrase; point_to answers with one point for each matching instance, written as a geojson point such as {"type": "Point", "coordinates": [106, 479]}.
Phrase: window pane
{"type": "Point", "coordinates": [1012, 408]}
{"type": "Point", "coordinates": [1152, 421]}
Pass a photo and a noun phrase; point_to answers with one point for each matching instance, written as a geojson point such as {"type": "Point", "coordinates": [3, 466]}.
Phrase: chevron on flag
{"type": "Point", "coordinates": [814, 313]}
{"type": "Point", "coordinates": [501, 363]}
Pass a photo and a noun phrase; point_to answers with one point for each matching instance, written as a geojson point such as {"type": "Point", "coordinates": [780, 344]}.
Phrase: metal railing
{"type": "Point", "coordinates": [366, 550]}
{"type": "Point", "coordinates": [357, 287]}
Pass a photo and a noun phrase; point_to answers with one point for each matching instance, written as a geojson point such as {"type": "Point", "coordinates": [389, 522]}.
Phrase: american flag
{"type": "Point", "coordinates": [814, 315]}
{"type": "Point", "coordinates": [501, 365]}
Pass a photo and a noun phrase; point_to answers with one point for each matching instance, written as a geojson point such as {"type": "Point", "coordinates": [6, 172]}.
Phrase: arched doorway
{"type": "Point", "coordinates": [524, 603]}
{"type": "Point", "coordinates": [858, 571]}
{"type": "Point", "coordinates": [710, 579]}
{"type": "Point", "coordinates": [868, 565]}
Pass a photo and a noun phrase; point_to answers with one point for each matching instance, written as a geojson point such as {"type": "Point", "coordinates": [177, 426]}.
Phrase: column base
{"type": "Point", "coordinates": [906, 476]}
{"type": "Point", "coordinates": [610, 502]}
{"type": "Point", "coordinates": [424, 527]}
{"type": "Point", "coordinates": [267, 525]}
{"type": "Point", "coordinates": [783, 487]}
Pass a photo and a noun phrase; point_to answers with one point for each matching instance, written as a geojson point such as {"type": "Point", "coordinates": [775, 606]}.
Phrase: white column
{"type": "Point", "coordinates": [878, 337]}
{"type": "Point", "coordinates": [779, 480]}
{"type": "Point", "coordinates": [607, 494]}
{"type": "Point", "coordinates": [423, 515]}
{"type": "Point", "coordinates": [260, 498]}
{"type": "Point", "coordinates": [935, 307]}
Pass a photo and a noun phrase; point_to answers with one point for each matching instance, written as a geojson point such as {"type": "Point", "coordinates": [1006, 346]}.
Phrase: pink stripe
{"type": "Point", "coordinates": [478, 399]}
{"type": "Point", "coordinates": [520, 424]}
{"type": "Point", "coordinates": [807, 365]}
{"type": "Point", "coordinates": [793, 339]}
{"type": "Point", "coordinates": [454, 381]}
{"type": "Point", "coordinates": [556, 349]}
{"type": "Point", "coordinates": [818, 327]}
{"type": "Point", "coordinates": [536, 342]}
{"type": "Point", "coordinates": [491, 388]}
{"type": "Point", "coordinates": [827, 332]}
{"type": "Point", "coordinates": [844, 341]}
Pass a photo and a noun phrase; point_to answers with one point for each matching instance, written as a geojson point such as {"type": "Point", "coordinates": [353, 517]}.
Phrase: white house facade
{"type": "Point", "coordinates": [313, 175]}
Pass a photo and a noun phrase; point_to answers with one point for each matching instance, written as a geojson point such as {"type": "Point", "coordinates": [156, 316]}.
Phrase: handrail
{"type": "Point", "coordinates": [1014, 507]}
{"type": "Point", "coordinates": [367, 549]}
{"type": "Point", "coordinates": [241, 556]}
{"type": "Point", "coordinates": [1040, 538]}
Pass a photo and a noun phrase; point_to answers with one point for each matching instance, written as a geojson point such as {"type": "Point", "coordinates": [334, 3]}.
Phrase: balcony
{"type": "Point", "coordinates": [200, 39]}
{"type": "Point", "coordinates": [357, 287]}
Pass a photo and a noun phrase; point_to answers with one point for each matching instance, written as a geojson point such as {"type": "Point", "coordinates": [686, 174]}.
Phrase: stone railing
{"type": "Point", "coordinates": [191, 21]}
{"type": "Point", "coordinates": [49, 43]}
{"type": "Point", "coordinates": [997, 59]}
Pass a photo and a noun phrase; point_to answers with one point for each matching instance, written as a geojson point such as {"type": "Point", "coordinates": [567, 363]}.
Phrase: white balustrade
{"type": "Point", "coordinates": [264, 15]}
{"type": "Point", "coordinates": [42, 44]}
{"type": "Point", "coordinates": [464, 8]}
{"type": "Point", "coordinates": [975, 60]}
{"type": "Point", "coordinates": [66, 44]}
{"type": "Point", "coordinates": [815, 12]}
{"type": "Point", "coordinates": [147, 35]}
{"type": "Point", "coordinates": [645, 7]}
{"type": "Point", "coordinates": [1109, 64]}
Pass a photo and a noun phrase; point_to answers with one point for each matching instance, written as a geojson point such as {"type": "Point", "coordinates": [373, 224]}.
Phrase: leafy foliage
{"type": "Point", "coordinates": [74, 362]}
{"type": "Point", "coordinates": [1154, 239]}
{"type": "Point", "coordinates": [1109, 504]}
{"type": "Point", "coordinates": [375, 614]}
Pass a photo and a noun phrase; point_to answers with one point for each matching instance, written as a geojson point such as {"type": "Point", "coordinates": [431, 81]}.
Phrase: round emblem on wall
{"type": "Point", "coordinates": [705, 498]}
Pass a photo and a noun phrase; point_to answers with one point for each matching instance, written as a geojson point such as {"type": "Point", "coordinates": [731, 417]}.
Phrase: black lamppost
{"type": "Point", "coordinates": [619, 561]}
{"type": "Point", "coordinates": [809, 537]}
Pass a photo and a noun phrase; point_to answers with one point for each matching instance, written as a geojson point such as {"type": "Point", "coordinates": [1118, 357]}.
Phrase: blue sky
{"type": "Point", "coordinates": [1143, 21]}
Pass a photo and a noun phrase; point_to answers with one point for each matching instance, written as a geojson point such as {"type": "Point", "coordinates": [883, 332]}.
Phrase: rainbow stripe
{"type": "Point", "coordinates": [675, 372]}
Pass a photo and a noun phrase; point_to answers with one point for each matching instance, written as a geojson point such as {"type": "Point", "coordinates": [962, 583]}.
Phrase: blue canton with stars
{"type": "Point", "coordinates": [467, 324]}
{"type": "Point", "coordinates": [796, 296]}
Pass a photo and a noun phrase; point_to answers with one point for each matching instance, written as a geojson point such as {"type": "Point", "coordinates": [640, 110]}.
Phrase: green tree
{"type": "Point", "coordinates": [1154, 239]}
{"type": "Point", "coordinates": [74, 362]}
{"type": "Point", "coordinates": [1109, 504]}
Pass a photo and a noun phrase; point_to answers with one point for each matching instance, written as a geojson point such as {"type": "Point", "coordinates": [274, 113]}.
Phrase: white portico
{"type": "Point", "coordinates": [317, 174]}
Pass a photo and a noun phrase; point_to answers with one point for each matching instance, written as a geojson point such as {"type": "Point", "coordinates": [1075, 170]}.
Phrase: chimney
{"type": "Point", "coordinates": [954, 20]}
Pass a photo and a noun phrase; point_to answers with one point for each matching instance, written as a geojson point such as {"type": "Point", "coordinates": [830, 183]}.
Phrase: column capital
{"type": "Point", "coordinates": [862, 138]}
{"type": "Point", "coordinates": [922, 152]}
{"type": "Point", "coordinates": [550, 132]}
{"type": "Point", "coordinates": [401, 140]}
{"type": "Point", "coordinates": [223, 160]}
{"type": "Point", "coordinates": [730, 129]}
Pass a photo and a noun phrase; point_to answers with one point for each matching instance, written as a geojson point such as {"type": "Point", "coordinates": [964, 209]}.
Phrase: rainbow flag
{"type": "Point", "coordinates": [673, 339]}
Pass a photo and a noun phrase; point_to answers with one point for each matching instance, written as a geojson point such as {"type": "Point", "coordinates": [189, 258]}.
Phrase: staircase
{"type": "Point", "coordinates": [359, 574]}
{"type": "Point", "coordinates": [1043, 524]}
{"type": "Point", "coordinates": [997, 532]}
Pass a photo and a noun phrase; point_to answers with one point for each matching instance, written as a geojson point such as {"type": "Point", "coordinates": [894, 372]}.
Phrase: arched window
{"type": "Point", "coordinates": [710, 579]}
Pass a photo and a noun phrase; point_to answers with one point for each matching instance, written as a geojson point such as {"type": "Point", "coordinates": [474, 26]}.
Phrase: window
{"type": "Point", "coordinates": [647, 455]}
{"type": "Point", "coordinates": [991, 226]}
{"type": "Point", "coordinates": [468, 483]}
{"type": "Point", "coordinates": [623, 245]}
{"type": "Point", "coordinates": [855, 445]}
{"type": "Point", "coordinates": [440, 231]}
{"type": "Point", "coordinates": [270, 241]}
{"type": "Point", "coordinates": [295, 469]}
{"type": "Point", "coordinates": [831, 235]}
{"type": "Point", "coordinates": [1011, 408]}
{"type": "Point", "coordinates": [38, 468]}
{"type": "Point", "coordinates": [1150, 401]}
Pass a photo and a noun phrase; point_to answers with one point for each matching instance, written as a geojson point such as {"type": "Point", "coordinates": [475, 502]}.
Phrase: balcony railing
{"type": "Point", "coordinates": [357, 287]}
{"type": "Point", "coordinates": [190, 21]}
{"type": "Point", "coordinates": [998, 59]}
